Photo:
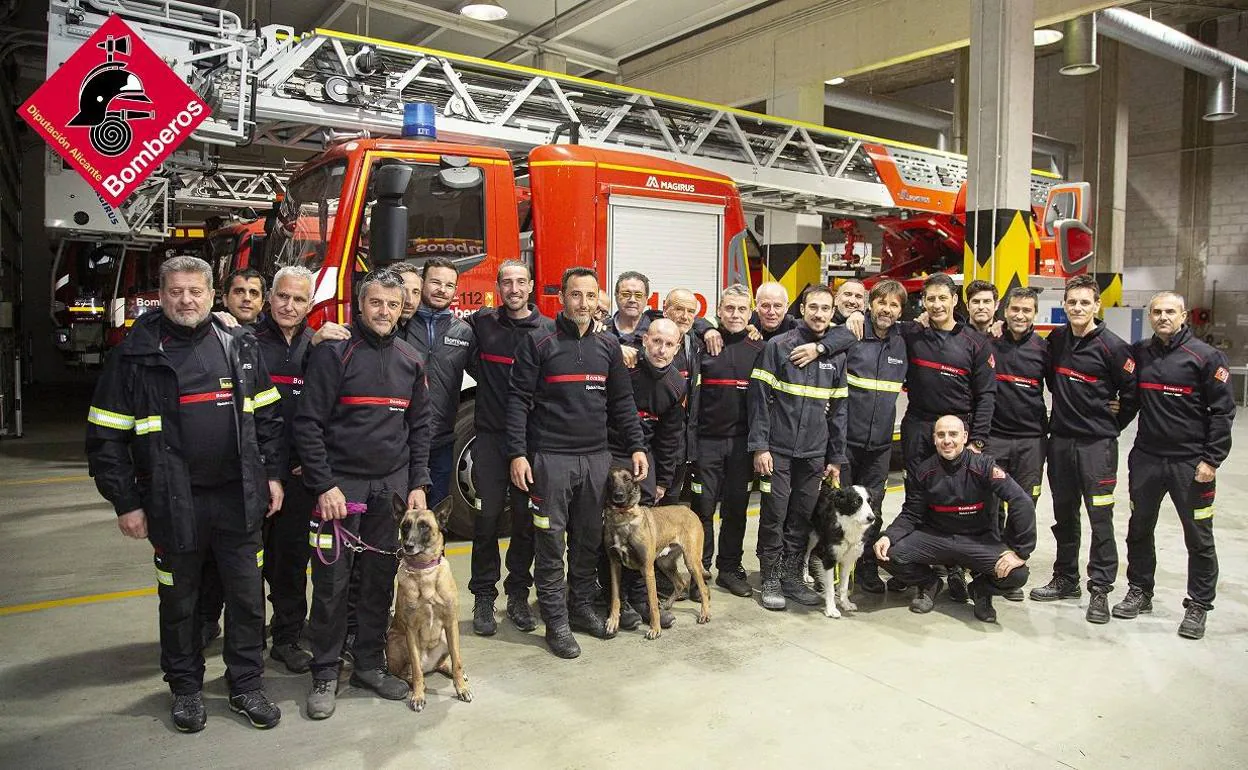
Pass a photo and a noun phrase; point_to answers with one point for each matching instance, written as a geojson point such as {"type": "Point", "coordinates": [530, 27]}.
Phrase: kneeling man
{"type": "Point", "coordinates": [950, 517]}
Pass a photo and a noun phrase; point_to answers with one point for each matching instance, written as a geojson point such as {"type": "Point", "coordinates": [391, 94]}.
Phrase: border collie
{"type": "Point", "coordinates": [839, 522]}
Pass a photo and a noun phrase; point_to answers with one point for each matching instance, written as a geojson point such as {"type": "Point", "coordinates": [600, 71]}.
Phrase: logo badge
{"type": "Point", "coordinates": [1222, 375]}
{"type": "Point", "coordinates": [997, 473]}
{"type": "Point", "coordinates": [1128, 366]}
{"type": "Point", "coordinates": [114, 110]}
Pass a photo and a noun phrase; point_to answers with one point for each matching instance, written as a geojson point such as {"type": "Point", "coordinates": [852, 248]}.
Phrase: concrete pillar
{"type": "Point", "coordinates": [551, 62]}
{"type": "Point", "coordinates": [961, 99]}
{"type": "Point", "coordinates": [1195, 180]}
{"type": "Point", "coordinates": [792, 242]}
{"type": "Point", "coordinates": [1000, 228]}
{"type": "Point", "coordinates": [1105, 154]}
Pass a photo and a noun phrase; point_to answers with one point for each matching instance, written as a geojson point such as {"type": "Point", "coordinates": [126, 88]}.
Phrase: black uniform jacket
{"type": "Point", "coordinates": [877, 369]}
{"type": "Point", "coordinates": [286, 362]}
{"type": "Point", "coordinates": [445, 352]}
{"type": "Point", "coordinates": [660, 398]}
{"type": "Point", "coordinates": [1086, 373]}
{"type": "Point", "coordinates": [719, 407]}
{"type": "Point", "coordinates": [1022, 367]}
{"type": "Point", "coordinates": [950, 373]}
{"type": "Point", "coordinates": [498, 335]}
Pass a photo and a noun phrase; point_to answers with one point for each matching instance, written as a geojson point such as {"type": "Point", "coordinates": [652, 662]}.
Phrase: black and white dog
{"type": "Point", "coordinates": [839, 522]}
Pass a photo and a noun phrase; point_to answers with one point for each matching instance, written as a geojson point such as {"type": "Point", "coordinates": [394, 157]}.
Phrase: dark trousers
{"type": "Point", "coordinates": [566, 500]}
{"type": "Point", "coordinates": [722, 477]}
{"type": "Point", "coordinates": [286, 551]}
{"type": "Point", "coordinates": [239, 555]}
{"type": "Point", "coordinates": [211, 594]}
{"type": "Point", "coordinates": [1023, 458]}
{"type": "Point", "coordinates": [916, 443]}
{"type": "Point", "coordinates": [327, 628]}
{"type": "Point", "coordinates": [1084, 471]}
{"type": "Point", "coordinates": [441, 467]}
{"type": "Point", "coordinates": [491, 477]}
{"type": "Point", "coordinates": [912, 557]}
{"type": "Point", "coordinates": [869, 469]}
{"type": "Point", "coordinates": [1151, 478]}
{"type": "Point", "coordinates": [784, 526]}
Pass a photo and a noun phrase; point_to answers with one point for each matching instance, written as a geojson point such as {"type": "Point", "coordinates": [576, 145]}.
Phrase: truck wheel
{"type": "Point", "coordinates": [463, 491]}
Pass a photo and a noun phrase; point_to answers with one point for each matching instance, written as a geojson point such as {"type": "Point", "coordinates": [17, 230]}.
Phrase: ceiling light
{"type": "Point", "coordinates": [1044, 36]}
{"type": "Point", "coordinates": [484, 10]}
{"type": "Point", "coordinates": [835, 81]}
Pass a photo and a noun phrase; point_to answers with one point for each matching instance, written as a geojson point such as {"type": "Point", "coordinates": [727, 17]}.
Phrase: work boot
{"type": "Point", "coordinates": [867, 578]}
{"type": "Point", "coordinates": [1134, 603]}
{"type": "Point", "coordinates": [957, 585]}
{"type": "Point", "coordinates": [520, 614]}
{"type": "Point", "coordinates": [321, 699]}
{"type": "Point", "coordinates": [735, 581]}
{"type": "Point", "coordinates": [792, 584]}
{"type": "Point", "coordinates": [1060, 587]}
{"type": "Point", "coordinates": [382, 682]}
{"type": "Point", "coordinates": [772, 593]}
{"type": "Point", "coordinates": [483, 623]}
{"type": "Point", "coordinates": [256, 706]}
{"type": "Point", "coordinates": [667, 618]}
{"type": "Point", "coordinates": [562, 643]}
{"type": "Point", "coordinates": [1098, 607]}
{"type": "Point", "coordinates": [1193, 625]}
{"type": "Point", "coordinates": [297, 659]}
{"type": "Point", "coordinates": [1013, 594]}
{"type": "Point", "coordinates": [583, 618]}
{"type": "Point", "coordinates": [982, 596]}
{"type": "Point", "coordinates": [925, 597]}
{"type": "Point", "coordinates": [188, 712]}
{"type": "Point", "coordinates": [896, 586]}
{"type": "Point", "coordinates": [695, 594]}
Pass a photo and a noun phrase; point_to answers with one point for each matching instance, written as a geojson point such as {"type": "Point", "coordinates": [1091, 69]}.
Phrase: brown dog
{"type": "Point", "coordinates": [641, 538]}
{"type": "Point", "coordinates": [424, 633]}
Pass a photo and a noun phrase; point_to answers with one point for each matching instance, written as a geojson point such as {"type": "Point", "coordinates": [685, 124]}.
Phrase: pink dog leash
{"type": "Point", "coordinates": [342, 536]}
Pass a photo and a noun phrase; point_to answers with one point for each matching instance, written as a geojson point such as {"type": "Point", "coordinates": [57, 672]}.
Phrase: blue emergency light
{"type": "Point", "coordinates": [418, 121]}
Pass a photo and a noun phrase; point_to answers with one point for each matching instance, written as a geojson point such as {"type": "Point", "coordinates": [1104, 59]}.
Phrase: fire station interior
{"type": "Point", "coordinates": [860, 135]}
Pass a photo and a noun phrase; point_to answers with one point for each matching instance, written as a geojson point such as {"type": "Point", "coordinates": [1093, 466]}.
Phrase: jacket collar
{"type": "Point", "coordinates": [533, 319]}
{"type": "Point", "coordinates": [569, 327]}
{"type": "Point", "coordinates": [808, 334]}
{"type": "Point", "coordinates": [267, 322]}
{"type": "Point", "coordinates": [361, 330]}
{"type": "Point", "coordinates": [954, 465]}
{"type": "Point", "coordinates": [731, 337]}
{"type": "Point", "coordinates": [1008, 336]}
{"type": "Point", "coordinates": [1178, 338]}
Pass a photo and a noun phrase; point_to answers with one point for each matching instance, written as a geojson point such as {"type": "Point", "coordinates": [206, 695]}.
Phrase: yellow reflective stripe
{"type": "Point", "coordinates": [764, 486]}
{"type": "Point", "coordinates": [1203, 513]}
{"type": "Point", "coordinates": [764, 376]}
{"type": "Point", "coordinates": [145, 425]}
{"type": "Point", "coordinates": [696, 487]}
{"type": "Point", "coordinates": [164, 578]}
{"type": "Point", "coordinates": [807, 391]}
{"type": "Point", "coordinates": [840, 393]}
{"type": "Point", "coordinates": [1035, 491]}
{"type": "Point", "coordinates": [866, 383]}
{"type": "Point", "coordinates": [1098, 500]}
{"type": "Point", "coordinates": [266, 397]}
{"type": "Point", "coordinates": [107, 419]}
{"type": "Point", "coordinates": [541, 522]}
{"type": "Point", "coordinates": [320, 541]}
{"type": "Point", "coordinates": [260, 558]}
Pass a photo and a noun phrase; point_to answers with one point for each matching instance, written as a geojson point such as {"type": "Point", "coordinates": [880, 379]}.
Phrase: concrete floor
{"type": "Point", "coordinates": [80, 684]}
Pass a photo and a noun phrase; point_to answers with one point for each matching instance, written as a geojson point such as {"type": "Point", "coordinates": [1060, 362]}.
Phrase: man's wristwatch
{"type": "Point", "coordinates": [978, 443]}
{"type": "Point", "coordinates": [820, 348]}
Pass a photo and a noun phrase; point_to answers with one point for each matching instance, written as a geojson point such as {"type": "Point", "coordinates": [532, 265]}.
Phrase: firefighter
{"type": "Point", "coordinates": [410, 273]}
{"type": "Point", "coordinates": [1091, 366]}
{"type": "Point", "coordinates": [1186, 409]}
{"type": "Point", "coordinates": [362, 433]}
{"type": "Point", "coordinates": [851, 297]}
{"type": "Point", "coordinates": [499, 332]}
{"type": "Point", "coordinates": [719, 418]}
{"type": "Point", "coordinates": [797, 437]}
{"type": "Point", "coordinates": [446, 347]}
{"type": "Point", "coordinates": [950, 371]}
{"type": "Point", "coordinates": [285, 341]}
{"type": "Point", "coordinates": [566, 388]}
{"type": "Point", "coordinates": [1020, 421]}
{"type": "Point", "coordinates": [981, 306]}
{"type": "Point", "coordinates": [244, 296]}
{"type": "Point", "coordinates": [949, 518]}
{"type": "Point", "coordinates": [632, 292]}
{"type": "Point", "coordinates": [876, 368]}
{"type": "Point", "coordinates": [184, 438]}
{"type": "Point", "coordinates": [771, 317]}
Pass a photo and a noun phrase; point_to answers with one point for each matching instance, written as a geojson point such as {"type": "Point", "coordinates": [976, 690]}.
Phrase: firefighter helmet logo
{"type": "Point", "coordinates": [102, 99]}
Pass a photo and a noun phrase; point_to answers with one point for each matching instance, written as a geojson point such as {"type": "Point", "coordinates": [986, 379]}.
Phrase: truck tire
{"type": "Point", "coordinates": [463, 491]}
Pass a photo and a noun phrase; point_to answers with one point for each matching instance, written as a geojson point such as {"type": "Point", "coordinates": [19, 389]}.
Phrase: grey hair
{"type": "Point", "coordinates": [298, 272]}
{"type": "Point", "coordinates": [1168, 293]}
{"type": "Point", "coordinates": [185, 263]}
{"type": "Point", "coordinates": [736, 290]}
{"type": "Point", "coordinates": [772, 285]}
{"type": "Point", "coordinates": [387, 279]}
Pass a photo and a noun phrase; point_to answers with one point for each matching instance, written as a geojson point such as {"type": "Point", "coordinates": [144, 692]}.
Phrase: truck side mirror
{"type": "Point", "coordinates": [1074, 244]}
{"type": "Point", "coordinates": [388, 228]}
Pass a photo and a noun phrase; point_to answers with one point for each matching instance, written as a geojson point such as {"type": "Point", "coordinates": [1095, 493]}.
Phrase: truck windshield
{"type": "Point", "coordinates": [441, 222]}
{"type": "Point", "coordinates": [221, 251]}
{"type": "Point", "coordinates": [305, 218]}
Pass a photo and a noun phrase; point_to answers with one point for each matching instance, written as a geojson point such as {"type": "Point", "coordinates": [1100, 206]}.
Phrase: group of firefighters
{"type": "Point", "coordinates": [240, 443]}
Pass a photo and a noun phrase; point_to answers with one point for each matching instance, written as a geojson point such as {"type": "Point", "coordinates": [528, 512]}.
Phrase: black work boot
{"type": "Point", "coordinates": [735, 581]}
{"type": "Point", "coordinates": [1193, 625]}
{"type": "Point", "coordinates": [793, 586]}
{"type": "Point", "coordinates": [583, 618]}
{"type": "Point", "coordinates": [667, 618]}
{"type": "Point", "coordinates": [322, 698]}
{"type": "Point", "coordinates": [957, 585]}
{"type": "Point", "coordinates": [188, 712]}
{"type": "Point", "coordinates": [483, 623]}
{"type": "Point", "coordinates": [772, 595]}
{"type": "Point", "coordinates": [1133, 604]}
{"type": "Point", "coordinates": [520, 614]}
{"type": "Point", "coordinates": [925, 597]}
{"type": "Point", "coordinates": [867, 577]}
{"type": "Point", "coordinates": [1013, 594]}
{"type": "Point", "coordinates": [1098, 607]}
{"type": "Point", "coordinates": [297, 659]}
{"type": "Point", "coordinates": [1060, 587]}
{"type": "Point", "coordinates": [382, 682]}
{"type": "Point", "coordinates": [981, 594]}
{"type": "Point", "coordinates": [629, 617]}
{"type": "Point", "coordinates": [896, 586]}
{"type": "Point", "coordinates": [256, 706]}
{"type": "Point", "coordinates": [562, 643]}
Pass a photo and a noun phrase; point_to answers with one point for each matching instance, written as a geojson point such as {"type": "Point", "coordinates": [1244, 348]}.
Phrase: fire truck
{"type": "Point", "coordinates": [646, 181]}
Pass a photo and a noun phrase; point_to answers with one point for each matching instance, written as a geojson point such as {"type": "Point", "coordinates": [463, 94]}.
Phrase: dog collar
{"type": "Point", "coordinates": [419, 566]}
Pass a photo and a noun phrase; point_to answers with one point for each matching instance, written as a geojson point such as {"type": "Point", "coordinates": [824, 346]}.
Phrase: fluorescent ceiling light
{"type": "Point", "coordinates": [484, 10]}
{"type": "Point", "coordinates": [835, 81]}
{"type": "Point", "coordinates": [1045, 36]}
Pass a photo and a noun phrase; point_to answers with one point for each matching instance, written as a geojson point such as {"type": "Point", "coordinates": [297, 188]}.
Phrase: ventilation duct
{"type": "Point", "coordinates": [1079, 51]}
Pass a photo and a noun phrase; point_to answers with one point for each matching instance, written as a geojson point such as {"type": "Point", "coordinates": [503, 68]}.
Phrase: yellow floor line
{"type": "Point", "coordinates": [45, 480]}
{"type": "Point", "coordinates": [72, 601]}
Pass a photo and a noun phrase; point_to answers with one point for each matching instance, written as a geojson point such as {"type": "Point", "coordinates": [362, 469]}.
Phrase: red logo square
{"type": "Point", "coordinates": [114, 110]}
